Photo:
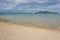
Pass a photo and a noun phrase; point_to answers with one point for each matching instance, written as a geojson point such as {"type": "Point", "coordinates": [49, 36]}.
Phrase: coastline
{"type": "Point", "coordinates": [20, 32]}
{"type": "Point", "coordinates": [27, 24]}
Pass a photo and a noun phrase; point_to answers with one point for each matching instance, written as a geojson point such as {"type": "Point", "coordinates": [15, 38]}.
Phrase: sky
{"type": "Point", "coordinates": [29, 5]}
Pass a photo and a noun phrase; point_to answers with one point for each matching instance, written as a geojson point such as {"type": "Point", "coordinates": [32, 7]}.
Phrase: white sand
{"type": "Point", "coordinates": [19, 32]}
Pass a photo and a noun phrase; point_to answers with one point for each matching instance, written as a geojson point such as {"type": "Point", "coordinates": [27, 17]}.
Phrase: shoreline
{"type": "Point", "coordinates": [16, 23]}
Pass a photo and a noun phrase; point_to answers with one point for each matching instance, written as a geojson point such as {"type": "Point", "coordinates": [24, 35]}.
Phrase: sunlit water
{"type": "Point", "coordinates": [37, 20]}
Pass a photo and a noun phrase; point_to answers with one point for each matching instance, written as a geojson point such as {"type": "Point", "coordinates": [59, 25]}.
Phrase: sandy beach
{"type": "Point", "coordinates": [19, 32]}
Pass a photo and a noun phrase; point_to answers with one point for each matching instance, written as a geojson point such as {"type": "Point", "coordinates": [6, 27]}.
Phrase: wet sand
{"type": "Point", "coordinates": [19, 32]}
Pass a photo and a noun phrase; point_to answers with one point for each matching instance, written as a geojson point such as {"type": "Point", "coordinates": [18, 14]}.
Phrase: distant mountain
{"type": "Point", "coordinates": [45, 12]}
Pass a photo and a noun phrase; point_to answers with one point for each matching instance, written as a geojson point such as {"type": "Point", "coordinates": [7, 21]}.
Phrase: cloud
{"type": "Point", "coordinates": [55, 8]}
{"type": "Point", "coordinates": [29, 5]}
{"type": "Point", "coordinates": [58, 0]}
{"type": "Point", "coordinates": [25, 1]}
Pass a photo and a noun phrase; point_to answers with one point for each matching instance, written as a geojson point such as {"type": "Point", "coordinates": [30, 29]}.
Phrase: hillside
{"type": "Point", "coordinates": [45, 12]}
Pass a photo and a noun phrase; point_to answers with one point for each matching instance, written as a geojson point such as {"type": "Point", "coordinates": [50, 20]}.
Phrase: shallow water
{"type": "Point", "coordinates": [39, 20]}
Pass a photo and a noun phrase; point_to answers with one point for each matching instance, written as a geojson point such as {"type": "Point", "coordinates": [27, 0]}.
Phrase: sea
{"type": "Point", "coordinates": [51, 21]}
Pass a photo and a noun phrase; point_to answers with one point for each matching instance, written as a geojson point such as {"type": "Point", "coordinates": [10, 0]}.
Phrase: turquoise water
{"type": "Point", "coordinates": [38, 20]}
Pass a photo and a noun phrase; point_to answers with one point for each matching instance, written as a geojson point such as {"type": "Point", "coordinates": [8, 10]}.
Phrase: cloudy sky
{"type": "Point", "coordinates": [29, 5]}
